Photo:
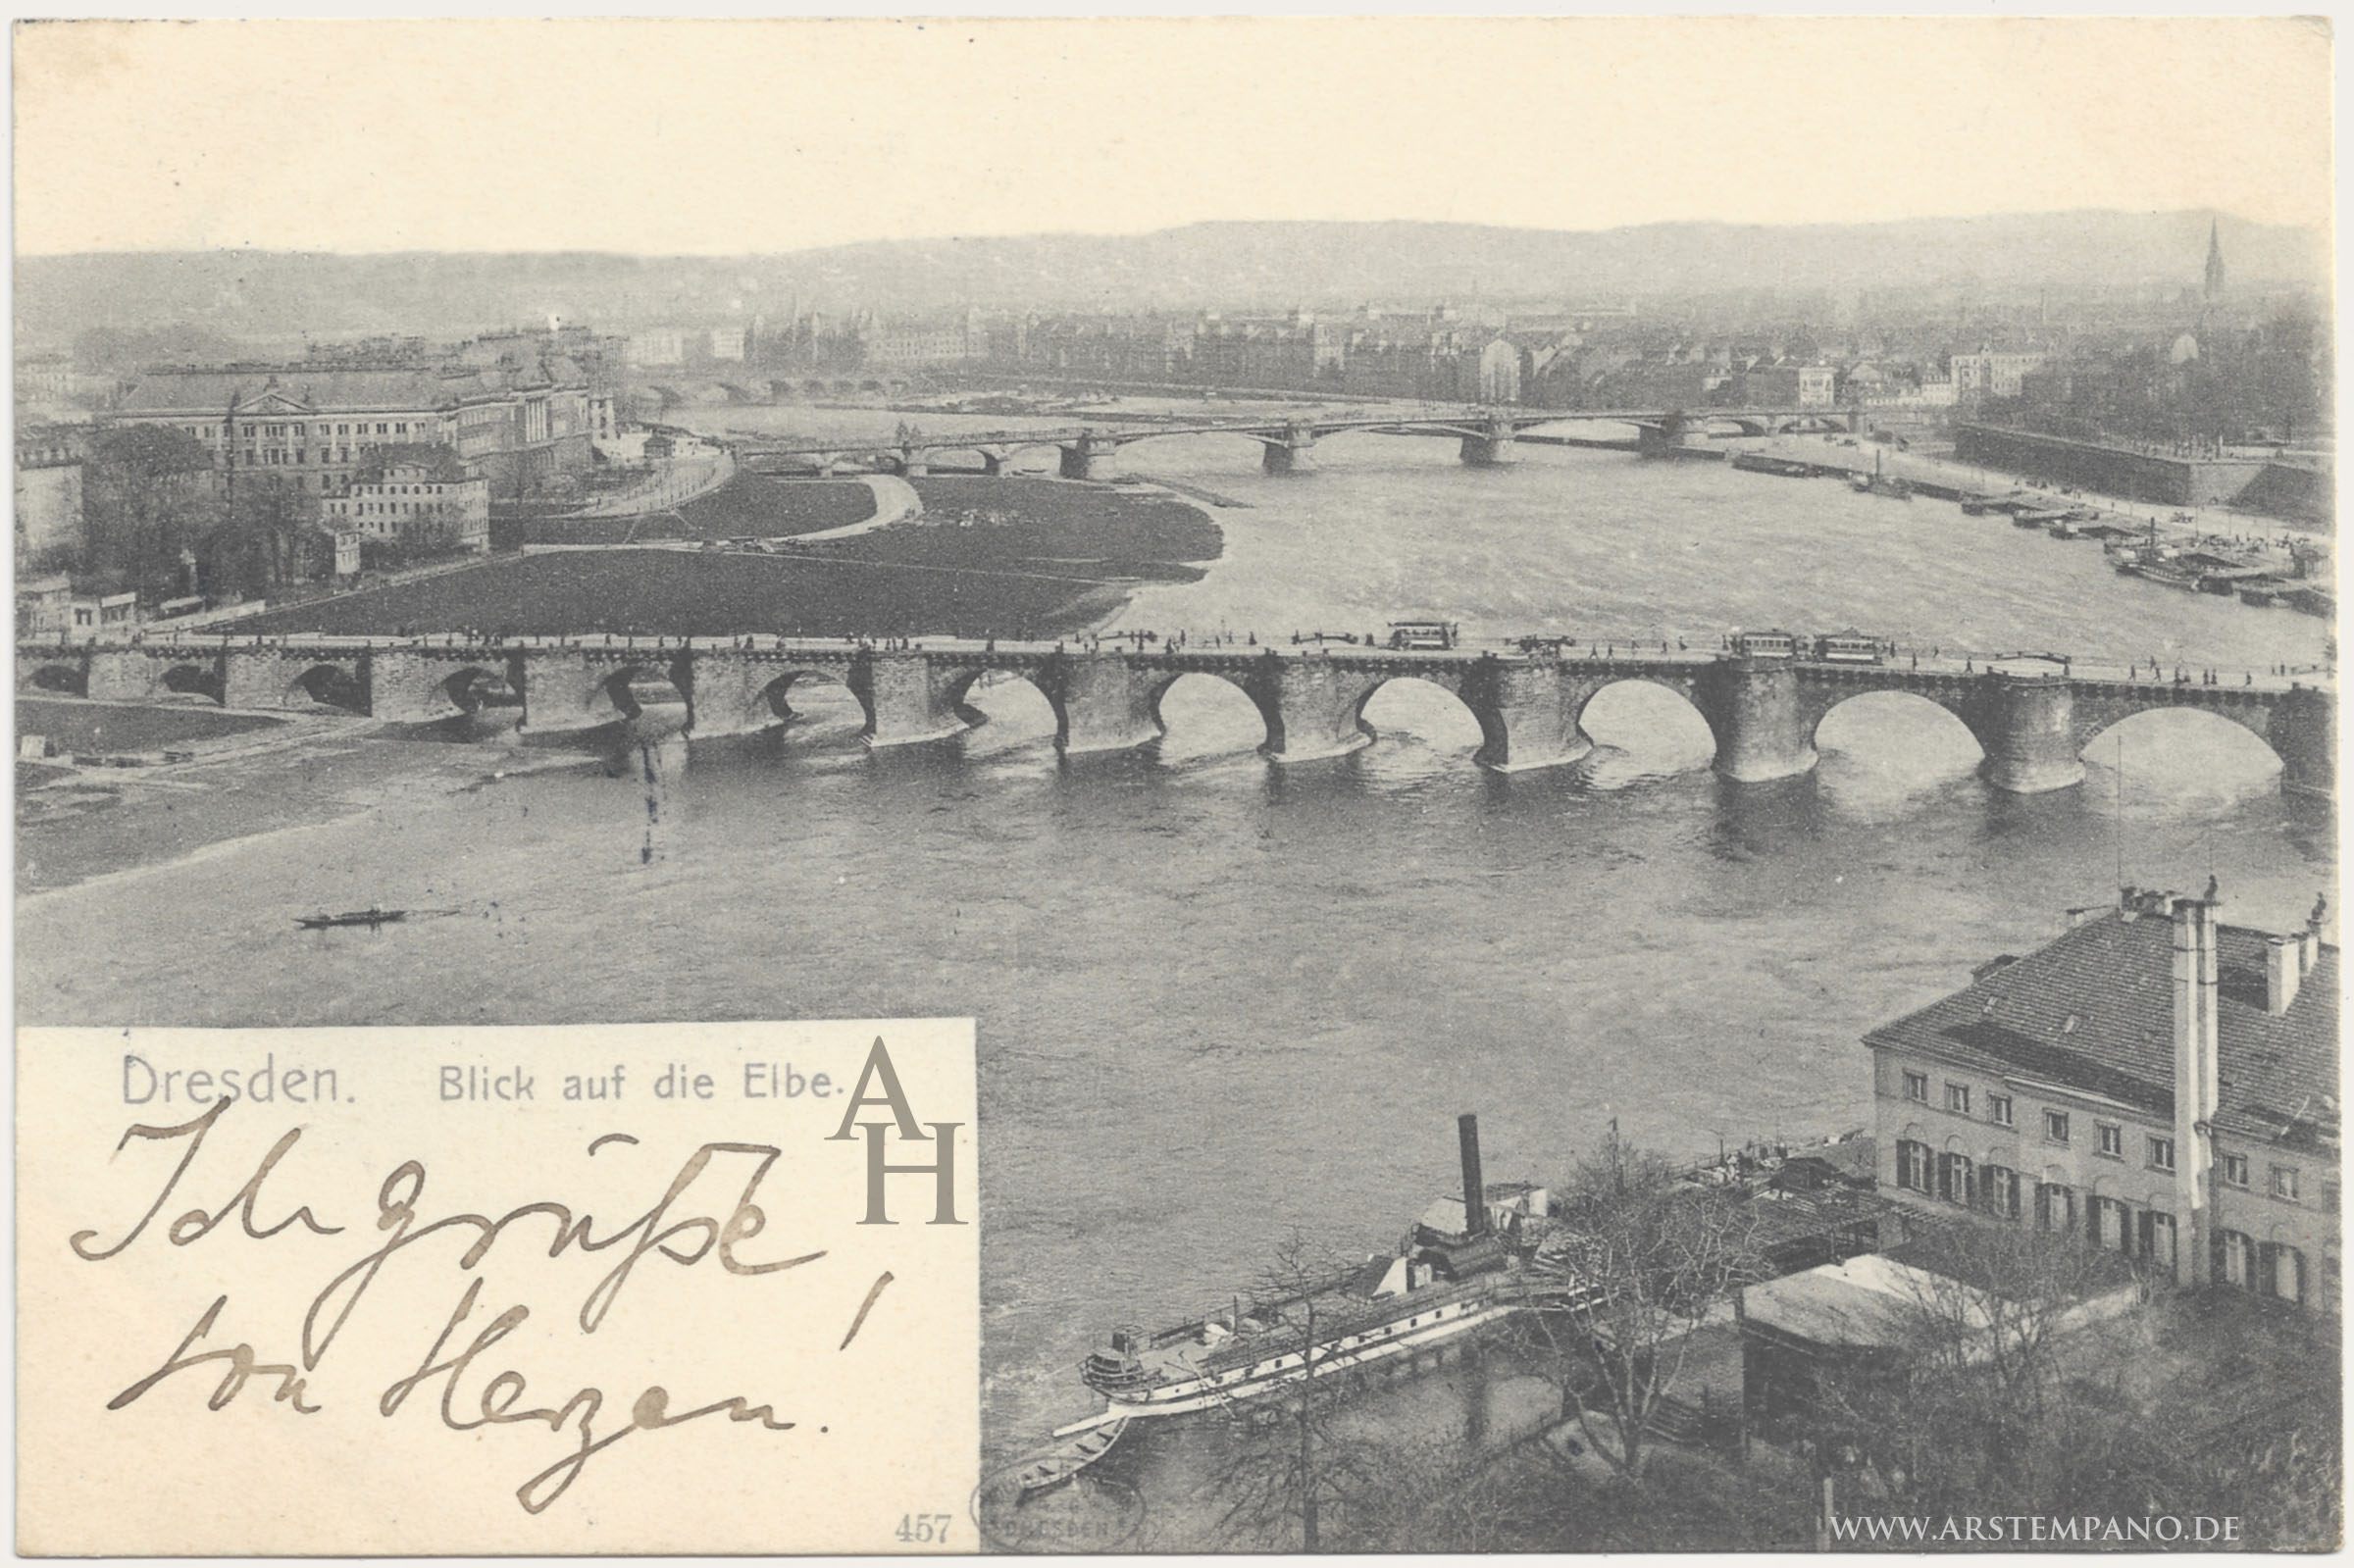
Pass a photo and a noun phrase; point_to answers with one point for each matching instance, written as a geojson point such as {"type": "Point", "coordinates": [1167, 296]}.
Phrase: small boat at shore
{"type": "Point", "coordinates": [370, 918]}
{"type": "Point", "coordinates": [1066, 1459]}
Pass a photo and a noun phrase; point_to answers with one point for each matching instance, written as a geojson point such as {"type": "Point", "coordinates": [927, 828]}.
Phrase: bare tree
{"type": "Point", "coordinates": [2010, 1367]}
{"type": "Point", "coordinates": [1279, 1467]}
{"type": "Point", "coordinates": [1658, 1256]}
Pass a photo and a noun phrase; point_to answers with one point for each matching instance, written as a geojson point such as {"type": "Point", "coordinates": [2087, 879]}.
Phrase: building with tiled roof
{"type": "Point", "coordinates": [2164, 1084]}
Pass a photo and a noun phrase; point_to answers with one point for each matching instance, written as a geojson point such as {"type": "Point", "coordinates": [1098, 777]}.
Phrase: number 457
{"type": "Point", "coordinates": [924, 1527]}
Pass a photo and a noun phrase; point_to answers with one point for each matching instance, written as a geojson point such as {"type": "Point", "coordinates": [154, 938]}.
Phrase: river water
{"type": "Point", "coordinates": [1219, 1002]}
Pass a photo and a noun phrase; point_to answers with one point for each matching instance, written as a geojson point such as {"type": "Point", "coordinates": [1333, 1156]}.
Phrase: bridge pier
{"type": "Point", "coordinates": [909, 700]}
{"type": "Point", "coordinates": [1676, 433]}
{"type": "Point", "coordinates": [1290, 454]}
{"type": "Point", "coordinates": [128, 676]}
{"type": "Point", "coordinates": [2029, 733]}
{"type": "Point", "coordinates": [1079, 459]}
{"type": "Point", "coordinates": [1491, 450]}
{"type": "Point", "coordinates": [914, 463]}
{"type": "Point", "coordinates": [2304, 733]}
{"type": "Point", "coordinates": [1761, 719]}
{"type": "Point", "coordinates": [1312, 708]}
{"type": "Point", "coordinates": [563, 691]}
{"type": "Point", "coordinates": [727, 693]}
{"type": "Point", "coordinates": [1102, 702]}
{"type": "Point", "coordinates": [1528, 714]}
{"type": "Point", "coordinates": [992, 464]}
{"type": "Point", "coordinates": [406, 687]}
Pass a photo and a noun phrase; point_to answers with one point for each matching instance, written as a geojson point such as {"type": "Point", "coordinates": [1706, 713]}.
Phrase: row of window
{"type": "Point", "coordinates": [2275, 1268]}
{"type": "Point", "coordinates": [403, 508]}
{"type": "Point", "coordinates": [2157, 1153]}
{"type": "Point", "coordinates": [280, 432]}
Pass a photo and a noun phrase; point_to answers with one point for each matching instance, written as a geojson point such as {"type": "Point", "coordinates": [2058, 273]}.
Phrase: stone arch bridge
{"type": "Point", "coordinates": [2031, 715]}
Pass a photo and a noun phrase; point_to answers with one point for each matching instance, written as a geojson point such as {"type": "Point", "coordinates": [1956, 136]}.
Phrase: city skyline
{"type": "Point", "coordinates": [733, 139]}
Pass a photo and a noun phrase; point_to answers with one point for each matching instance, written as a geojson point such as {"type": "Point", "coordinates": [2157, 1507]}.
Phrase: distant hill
{"type": "Point", "coordinates": [280, 295]}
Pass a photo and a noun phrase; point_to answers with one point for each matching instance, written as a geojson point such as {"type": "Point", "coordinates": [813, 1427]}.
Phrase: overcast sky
{"type": "Point", "coordinates": [727, 137]}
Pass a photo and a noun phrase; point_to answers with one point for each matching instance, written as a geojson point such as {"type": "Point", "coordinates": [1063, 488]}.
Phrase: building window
{"type": "Point", "coordinates": [2054, 1206]}
{"type": "Point", "coordinates": [1957, 1098]}
{"type": "Point", "coordinates": [2113, 1140]}
{"type": "Point", "coordinates": [1998, 1191]}
{"type": "Point", "coordinates": [2055, 1127]}
{"type": "Point", "coordinates": [2161, 1153]}
{"type": "Point", "coordinates": [2238, 1259]}
{"type": "Point", "coordinates": [2285, 1183]}
{"type": "Point", "coordinates": [1911, 1165]}
{"type": "Point", "coordinates": [1952, 1179]}
{"type": "Point", "coordinates": [1917, 1087]}
{"type": "Point", "coordinates": [1998, 1109]}
{"type": "Point", "coordinates": [2158, 1238]}
{"type": "Point", "coordinates": [2107, 1218]}
{"type": "Point", "coordinates": [2281, 1271]}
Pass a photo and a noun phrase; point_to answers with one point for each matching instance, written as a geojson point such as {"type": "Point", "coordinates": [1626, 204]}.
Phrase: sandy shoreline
{"type": "Point", "coordinates": [100, 828]}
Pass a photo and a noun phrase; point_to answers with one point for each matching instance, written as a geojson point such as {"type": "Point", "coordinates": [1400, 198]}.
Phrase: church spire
{"type": "Point", "coordinates": [2215, 262]}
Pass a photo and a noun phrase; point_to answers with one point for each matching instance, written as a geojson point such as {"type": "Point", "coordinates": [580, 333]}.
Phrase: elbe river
{"type": "Point", "coordinates": [1219, 1002]}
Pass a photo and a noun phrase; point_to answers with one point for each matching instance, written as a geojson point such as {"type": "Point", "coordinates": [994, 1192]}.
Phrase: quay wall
{"type": "Point", "coordinates": [2110, 470]}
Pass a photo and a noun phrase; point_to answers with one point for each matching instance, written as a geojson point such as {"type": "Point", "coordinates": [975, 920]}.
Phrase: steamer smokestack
{"type": "Point", "coordinates": [1475, 1192]}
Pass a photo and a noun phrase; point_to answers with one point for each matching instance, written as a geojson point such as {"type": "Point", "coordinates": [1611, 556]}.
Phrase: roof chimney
{"type": "Point", "coordinates": [1475, 1192]}
{"type": "Point", "coordinates": [2283, 970]}
{"type": "Point", "coordinates": [2308, 949]}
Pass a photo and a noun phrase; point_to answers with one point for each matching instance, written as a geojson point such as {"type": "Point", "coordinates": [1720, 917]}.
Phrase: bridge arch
{"type": "Point", "coordinates": [72, 679]}
{"type": "Point", "coordinates": [2171, 754]}
{"type": "Point", "coordinates": [634, 689]}
{"type": "Point", "coordinates": [192, 680]}
{"type": "Point", "coordinates": [1932, 736]}
{"type": "Point", "coordinates": [813, 682]}
{"type": "Point", "coordinates": [1657, 724]}
{"type": "Point", "coordinates": [469, 689]}
{"type": "Point", "coordinates": [333, 685]}
{"type": "Point", "coordinates": [1007, 685]}
{"type": "Point", "coordinates": [1494, 738]}
{"type": "Point", "coordinates": [1205, 720]}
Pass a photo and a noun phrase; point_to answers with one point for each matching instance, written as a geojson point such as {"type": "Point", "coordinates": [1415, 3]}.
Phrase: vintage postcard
{"type": "Point", "coordinates": [1176, 785]}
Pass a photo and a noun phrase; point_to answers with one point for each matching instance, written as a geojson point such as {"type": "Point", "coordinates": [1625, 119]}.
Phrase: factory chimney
{"type": "Point", "coordinates": [1475, 1192]}
{"type": "Point", "coordinates": [2195, 1041]}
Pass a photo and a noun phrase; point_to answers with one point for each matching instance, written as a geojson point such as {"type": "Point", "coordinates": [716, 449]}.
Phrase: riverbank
{"type": "Point", "coordinates": [2211, 523]}
{"type": "Point", "coordinates": [75, 827]}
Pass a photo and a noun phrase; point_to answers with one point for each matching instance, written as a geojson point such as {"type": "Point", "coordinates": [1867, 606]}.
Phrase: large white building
{"type": "Point", "coordinates": [315, 427]}
{"type": "Point", "coordinates": [2158, 1083]}
{"type": "Point", "coordinates": [421, 502]}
